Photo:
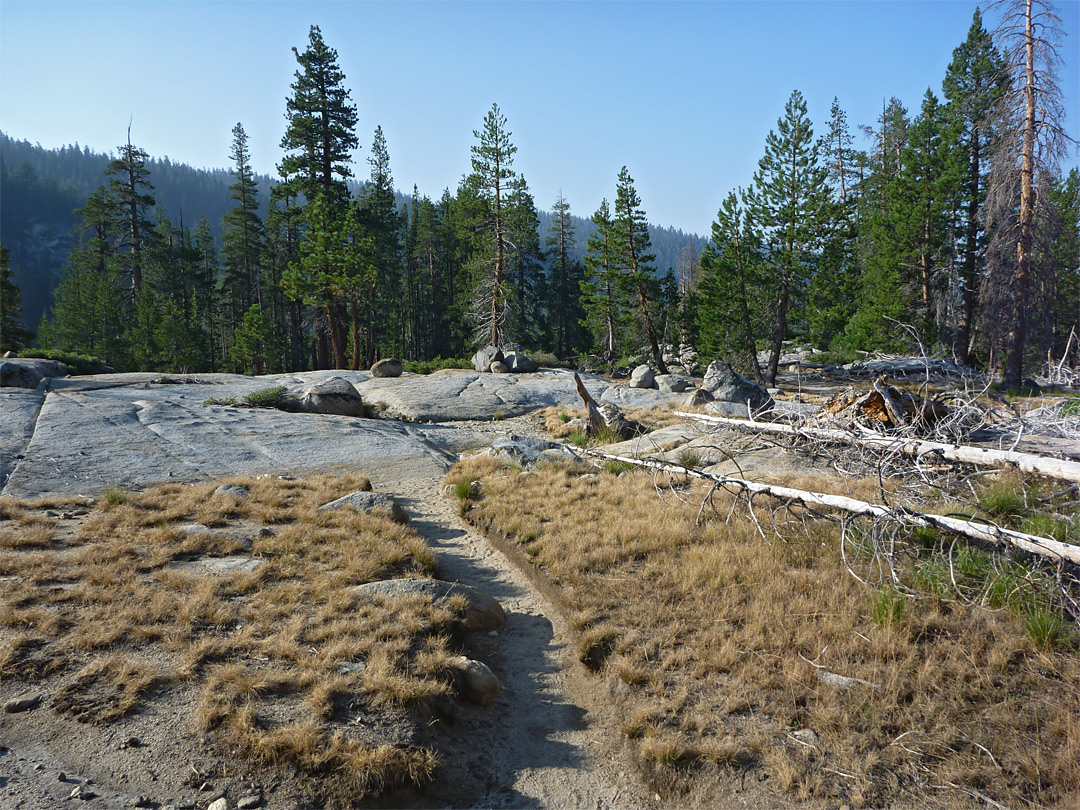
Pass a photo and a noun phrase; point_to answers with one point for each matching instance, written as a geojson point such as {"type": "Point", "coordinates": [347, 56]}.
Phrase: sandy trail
{"type": "Point", "coordinates": [538, 744]}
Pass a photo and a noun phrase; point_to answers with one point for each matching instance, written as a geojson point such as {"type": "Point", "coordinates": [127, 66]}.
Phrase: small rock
{"type": "Point", "coordinates": [266, 532]}
{"type": "Point", "coordinates": [233, 491]}
{"type": "Point", "coordinates": [372, 503]}
{"type": "Point", "coordinates": [23, 703]}
{"type": "Point", "coordinates": [350, 667]}
{"type": "Point", "coordinates": [696, 398]}
{"type": "Point", "coordinates": [805, 735]}
{"type": "Point", "coordinates": [498, 367]}
{"type": "Point", "coordinates": [142, 801]}
{"type": "Point", "coordinates": [249, 802]}
{"type": "Point", "coordinates": [61, 777]}
{"type": "Point", "coordinates": [387, 368]}
{"type": "Point", "coordinates": [131, 742]}
{"type": "Point", "coordinates": [82, 792]}
{"type": "Point", "coordinates": [475, 682]}
{"type": "Point", "coordinates": [219, 804]}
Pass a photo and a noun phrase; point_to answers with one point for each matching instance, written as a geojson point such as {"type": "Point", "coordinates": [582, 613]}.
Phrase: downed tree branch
{"type": "Point", "coordinates": [606, 416]}
{"type": "Point", "coordinates": [1026, 462]}
{"type": "Point", "coordinates": [983, 532]}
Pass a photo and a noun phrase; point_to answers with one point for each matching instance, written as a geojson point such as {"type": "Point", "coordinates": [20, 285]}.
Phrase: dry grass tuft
{"type": "Point", "coordinates": [122, 597]}
{"type": "Point", "coordinates": [723, 643]}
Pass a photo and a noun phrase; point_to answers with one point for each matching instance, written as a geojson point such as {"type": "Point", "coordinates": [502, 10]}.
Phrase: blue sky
{"type": "Point", "coordinates": [682, 93]}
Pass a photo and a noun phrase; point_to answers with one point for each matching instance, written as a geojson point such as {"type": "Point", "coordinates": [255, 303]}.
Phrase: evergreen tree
{"type": "Point", "coordinates": [634, 259]}
{"type": "Point", "coordinates": [321, 132]}
{"type": "Point", "coordinates": [564, 307]}
{"type": "Point", "coordinates": [13, 335]}
{"type": "Point", "coordinates": [837, 151]}
{"type": "Point", "coordinates": [490, 185]}
{"type": "Point", "coordinates": [974, 83]}
{"type": "Point", "coordinates": [790, 201]}
{"type": "Point", "coordinates": [130, 191]}
{"type": "Point", "coordinates": [379, 215]}
{"type": "Point", "coordinates": [242, 243]}
{"type": "Point", "coordinates": [254, 349]}
{"type": "Point", "coordinates": [525, 266]}
{"type": "Point", "coordinates": [731, 306]}
{"type": "Point", "coordinates": [602, 293]}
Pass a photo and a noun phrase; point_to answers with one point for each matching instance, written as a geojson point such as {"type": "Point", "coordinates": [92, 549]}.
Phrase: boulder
{"type": "Point", "coordinates": [642, 377]}
{"type": "Point", "coordinates": [27, 372]}
{"type": "Point", "coordinates": [374, 503]}
{"type": "Point", "coordinates": [483, 359]}
{"type": "Point", "coordinates": [671, 383]}
{"type": "Point", "coordinates": [726, 385]}
{"type": "Point", "coordinates": [499, 367]}
{"type": "Point", "coordinates": [526, 450]}
{"type": "Point", "coordinates": [520, 363]}
{"type": "Point", "coordinates": [474, 681]}
{"type": "Point", "coordinates": [697, 398]}
{"type": "Point", "coordinates": [233, 491]}
{"type": "Point", "coordinates": [18, 375]}
{"type": "Point", "coordinates": [387, 368]}
{"type": "Point", "coordinates": [482, 612]}
{"type": "Point", "coordinates": [333, 396]}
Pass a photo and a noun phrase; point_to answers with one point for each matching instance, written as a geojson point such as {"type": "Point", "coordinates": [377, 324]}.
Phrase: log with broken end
{"type": "Point", "coordinates": [1025, 462]}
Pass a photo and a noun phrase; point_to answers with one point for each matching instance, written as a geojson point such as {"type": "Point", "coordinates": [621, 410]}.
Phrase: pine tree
{"type": "Point", "coordinates": [730, 307]}
{"type": "Point", "coordinates": [1024, 168]}
{"type": "Point", "coordinates": [526, 266]}
{"type": "Point", "coordinates": [565, 276]}
{"type": "Point", "coordinates": [321, 133]}
{"type": "Point", "coordinates": [837, 151]}
{"type": "Point", "coordinates": [242, 243]}
{"type": "Point", "coordinates": [635, 262]}
{"type": "Point", "coordinates": [491, 185]}
{"type": "Point", "coordinates": [602, 294]}
{"type": "Point", "coordinates": [379, 216]}
{"type": "Point", "coordinates": [13, 335]}
{"type": "Point", "coordinates": [130, 191]}
{"type": "Point", "coordinates": [974, 83]}
{"type": "Point", "coordinates": [790, 201]}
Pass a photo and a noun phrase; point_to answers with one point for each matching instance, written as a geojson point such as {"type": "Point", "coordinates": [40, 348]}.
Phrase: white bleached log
{"type": "Point", "coordinates": [1026, 462]}
{"type": "Point", "coordinates": [1033, 544]}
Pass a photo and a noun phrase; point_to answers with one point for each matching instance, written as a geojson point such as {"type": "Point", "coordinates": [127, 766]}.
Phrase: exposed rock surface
{"type": "Point", "coordinates": [519, 363]}
{"type": "Point", "coordinates": [672, 383]}
{"type": "Point", "coordinates": [499, 367]}
{"type": "Point", "coordinates": [696, 398]}
{"type": "Point", "coordinates": [527, 450]}
{"type": "Point", "coordinates": [475, 681]}
{"type": "Point", "coordinates": [27, 372]}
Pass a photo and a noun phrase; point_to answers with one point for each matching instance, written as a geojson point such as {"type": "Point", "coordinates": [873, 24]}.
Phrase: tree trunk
{"type": "Point", "coordinates": [779, 333]}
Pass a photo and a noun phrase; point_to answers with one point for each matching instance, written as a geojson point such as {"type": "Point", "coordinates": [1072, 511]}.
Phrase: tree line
{"type": "Point", "coordinates": [955, 234]}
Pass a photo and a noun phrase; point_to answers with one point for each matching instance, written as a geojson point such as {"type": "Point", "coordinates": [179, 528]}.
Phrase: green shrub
{"type": "Point", "coordinates": [76, 363]}
{"type": "Point", "coordinates": [265, 397]}
{"type": "Point", "coordinates": [436, 364]}
{"type": "Point", "coordinates": [888, 607]}
{"type": "Point", "coordinates": [1045, 627]}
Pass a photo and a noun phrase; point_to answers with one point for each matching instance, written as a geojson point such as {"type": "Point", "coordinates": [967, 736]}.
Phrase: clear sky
{"type": "Point", "coordinates": [683, 93]}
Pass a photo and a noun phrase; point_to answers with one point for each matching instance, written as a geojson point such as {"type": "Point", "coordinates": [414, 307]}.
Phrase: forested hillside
{"type": "Point", "coordinates": [41, 188]}
{"type": "Point", "coordinates": [954, 232]}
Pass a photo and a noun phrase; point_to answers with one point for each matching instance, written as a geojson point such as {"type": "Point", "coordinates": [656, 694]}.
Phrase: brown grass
{"type": "Point", "coordinates": [117, 605]}
{"type": "Point", "coordinates": [553, 421]}
{"type": "Point", "coordinates": [715, 638]}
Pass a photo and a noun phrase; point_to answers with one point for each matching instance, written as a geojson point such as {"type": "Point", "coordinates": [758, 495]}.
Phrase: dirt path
{"type": "Point", "coordinates": [543, 742]}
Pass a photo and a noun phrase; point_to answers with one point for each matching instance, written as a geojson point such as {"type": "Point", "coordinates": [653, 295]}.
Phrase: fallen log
{"type": "Point", "coordinates": [1026, 462]}
{"type": "Point", "coordinates": [1033, 544]}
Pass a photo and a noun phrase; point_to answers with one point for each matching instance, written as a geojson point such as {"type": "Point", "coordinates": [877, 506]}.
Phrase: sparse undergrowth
{"type": "Point", "coordinates": [291, 665]}
{"type": "Point", "coordinates": [723, 647]}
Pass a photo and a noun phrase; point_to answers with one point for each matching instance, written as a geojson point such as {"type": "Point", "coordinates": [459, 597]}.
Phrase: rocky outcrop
{"type": "Point", "coordinates": [334, 396]}
{"type": "Point", "coordinates": [387, 368]}
{"type": "Point", "coordinates": [526, 450]}
{"type": "Point", "coordinates": [373, 503]}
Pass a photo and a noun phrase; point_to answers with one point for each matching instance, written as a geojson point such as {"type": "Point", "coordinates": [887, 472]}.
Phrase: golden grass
{"type": "Point", "coordinates": [117, 605]}
{"type": "Point", "coordinates": [717, 638]}
{"type": "Point", "coordinates": [555, 420]}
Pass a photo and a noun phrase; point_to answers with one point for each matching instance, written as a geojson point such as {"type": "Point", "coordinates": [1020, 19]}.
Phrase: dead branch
{"type": "Point", "coordinates": [1041, 546]}
{"type": "Point", "coordinates": [1026, 462]}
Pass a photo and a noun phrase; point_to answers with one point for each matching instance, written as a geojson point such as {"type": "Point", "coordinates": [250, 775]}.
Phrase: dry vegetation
{"type": "Point", "coordinates": [722, 639]}
{"type": "Point", "coordinates": [556, 421]}
{"type": "Point", "coordinates": [105, 608]}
